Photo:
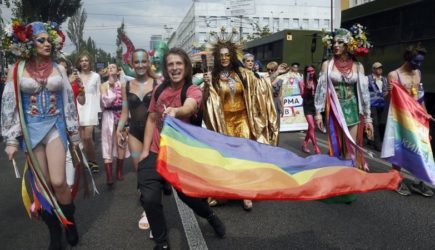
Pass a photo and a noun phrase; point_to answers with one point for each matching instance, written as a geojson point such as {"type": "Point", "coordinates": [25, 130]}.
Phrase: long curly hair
{"type": "Point", "coordinates": [187, 65]}
{"type": "Point", "coordinates": [235, 63]}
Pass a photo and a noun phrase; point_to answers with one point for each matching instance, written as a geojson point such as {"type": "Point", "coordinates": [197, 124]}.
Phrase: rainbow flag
{"type": "Point", "coordinates": [202, 163]}
{"type": "Point", "coordinates": [406, 140]}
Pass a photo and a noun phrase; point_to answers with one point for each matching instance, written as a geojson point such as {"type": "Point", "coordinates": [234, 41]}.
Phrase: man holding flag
{"type": "Point", "coordinates": [168, 100]}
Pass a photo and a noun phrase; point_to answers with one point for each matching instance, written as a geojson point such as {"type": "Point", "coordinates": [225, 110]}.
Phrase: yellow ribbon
{"type": "Point", "coordinates": [25, 193]}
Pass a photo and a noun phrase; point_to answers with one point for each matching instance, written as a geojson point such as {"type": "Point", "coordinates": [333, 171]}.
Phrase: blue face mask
{"type": "Point", "coordinates": [417, 61]}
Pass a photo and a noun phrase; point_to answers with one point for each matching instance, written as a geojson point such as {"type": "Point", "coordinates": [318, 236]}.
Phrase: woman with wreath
{"type": "Point", "coordinates": [343, 93]}
{"type": "Point", "coordinates": [39, 115]}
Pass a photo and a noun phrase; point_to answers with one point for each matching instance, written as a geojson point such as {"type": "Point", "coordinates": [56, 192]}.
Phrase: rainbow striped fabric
{"type": "Point", "coordinates": [202, 163]}
{"type": "Point", "coordinates": [406, 140]}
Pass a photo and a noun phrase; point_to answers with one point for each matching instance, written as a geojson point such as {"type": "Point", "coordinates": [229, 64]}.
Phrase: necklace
{"type": "Point", "coordinates": [345, 68]}
{"type": "Point", "coordinates": [40, 72]}
{"type": "Point", "coordinates": [226, 77]}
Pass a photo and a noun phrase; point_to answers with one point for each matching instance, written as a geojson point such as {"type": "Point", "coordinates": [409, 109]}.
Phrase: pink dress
{"type": "Point", "coordinates": [111, 103]}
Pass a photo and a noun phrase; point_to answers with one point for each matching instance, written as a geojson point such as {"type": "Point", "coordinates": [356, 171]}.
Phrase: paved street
{"type": "Point", "coordinates": [380, 220]}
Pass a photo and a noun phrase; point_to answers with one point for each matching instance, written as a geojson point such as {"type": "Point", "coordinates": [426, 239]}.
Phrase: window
{"type": "Point", "coordinates": [305, 23]}
{"type": "Point", "coordinates": [295, 24]}
{"type": "Point", "coordinates": [275, 24]}
{"type": "Point", "coordinates": [286, 23]}
{"type": "Point", "coordinates": [202, 22]}
{"type": "Point", "coordinates": [316, 24]}
{"type": "Point", "coordinates": [201, 37]}
{"type": "Point", "coordinates": [265, 21]}
{"type": "Point", "coordinates": [326, 24]}
{"type": "Point", "coordinates": [212, 22]}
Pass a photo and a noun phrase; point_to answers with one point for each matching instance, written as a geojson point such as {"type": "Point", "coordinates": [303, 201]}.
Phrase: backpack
{"type": "Point", "coordinates": [195, 120]}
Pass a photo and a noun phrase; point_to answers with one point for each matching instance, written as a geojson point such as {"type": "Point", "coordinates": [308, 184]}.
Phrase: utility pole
{"type": "Point", "coordinates": [241, 28]}
{"type": "Point", "coordinates": [332, 19]}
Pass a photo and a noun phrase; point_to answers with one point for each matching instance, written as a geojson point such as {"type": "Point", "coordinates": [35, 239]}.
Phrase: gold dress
{"type": "Point", "coordinates": [234, 109]}
{"type": "Point", "coordinates": [240, 111]}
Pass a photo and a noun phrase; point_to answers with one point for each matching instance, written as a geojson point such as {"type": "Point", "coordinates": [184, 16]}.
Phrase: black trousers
{"type": "Point", "coordinates": [378, 125]}
{"type": "Point", "coordinates": [150, 185]}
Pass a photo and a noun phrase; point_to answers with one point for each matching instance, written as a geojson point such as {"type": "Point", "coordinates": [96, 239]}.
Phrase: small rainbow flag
{"type": "Point", "coordinates": [202, 163]}
{"type": "Point", "coordinates": [406, 140]}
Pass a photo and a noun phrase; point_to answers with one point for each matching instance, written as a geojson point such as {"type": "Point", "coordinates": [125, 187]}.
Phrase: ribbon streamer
{"type": "Point", "coordinates": [17, 173]}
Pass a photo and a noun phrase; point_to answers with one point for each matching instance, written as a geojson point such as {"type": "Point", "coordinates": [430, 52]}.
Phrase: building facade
{"type": "Point", "coordinates": [353, 3]}
{"type": "Point", "coordinates": [205, 16]}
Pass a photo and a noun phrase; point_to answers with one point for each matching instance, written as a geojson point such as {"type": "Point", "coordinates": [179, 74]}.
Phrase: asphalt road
{"type": "Point", "coordinates": [378, 220]}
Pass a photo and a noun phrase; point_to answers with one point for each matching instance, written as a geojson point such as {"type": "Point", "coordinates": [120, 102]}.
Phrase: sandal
{"type": "Point", "coordinates": [247, 205]}
{"type": "Point", "coordinates": [143, 222]}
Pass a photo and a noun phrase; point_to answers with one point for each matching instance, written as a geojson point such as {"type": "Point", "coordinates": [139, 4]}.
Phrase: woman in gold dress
{"type": "Point", "coordinates": [236, 103]}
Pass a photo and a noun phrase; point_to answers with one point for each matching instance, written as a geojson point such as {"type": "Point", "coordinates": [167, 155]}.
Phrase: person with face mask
{"type": "Point", "coordinates": [408, 75]}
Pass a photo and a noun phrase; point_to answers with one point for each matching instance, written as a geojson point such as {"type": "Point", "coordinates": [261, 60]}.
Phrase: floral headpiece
{"type": "Point", "coordinates": [17, 37]}
{"type": "Point", "coordinates": [355, 38]}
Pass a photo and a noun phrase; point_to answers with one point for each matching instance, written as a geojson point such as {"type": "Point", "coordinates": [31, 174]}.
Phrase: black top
{"type": "Point", "coordinates": [138, 108]}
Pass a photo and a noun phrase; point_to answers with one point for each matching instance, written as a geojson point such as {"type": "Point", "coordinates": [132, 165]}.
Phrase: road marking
{"type": "Point", "coordinates": [194, 236]}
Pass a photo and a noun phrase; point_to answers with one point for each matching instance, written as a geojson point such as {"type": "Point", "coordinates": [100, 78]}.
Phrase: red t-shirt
{"type": "Point", "coordinates": [170, 98]}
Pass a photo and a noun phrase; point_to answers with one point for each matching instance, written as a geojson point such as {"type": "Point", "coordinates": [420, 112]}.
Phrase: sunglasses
{"type": "Point", "coordinates": [42, 40]}
{"type": "Point", "coordinates": [270, 70]}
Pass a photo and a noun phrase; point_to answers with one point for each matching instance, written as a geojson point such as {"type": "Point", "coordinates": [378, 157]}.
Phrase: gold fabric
{"type": "Point", "coordinates": [247, 112]}
{"type": "Point", "coordinates": [235, 115]}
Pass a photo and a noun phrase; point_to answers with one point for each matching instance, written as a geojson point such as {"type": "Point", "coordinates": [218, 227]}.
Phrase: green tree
{"type": "Point", "coordinates": [119, 32]}
{"type": "Point", "coordinates": [76, 25]}
{"type": "Point", "coordinates": [47, 10]}
{"type": "Point", "coordinates": [258, 31]}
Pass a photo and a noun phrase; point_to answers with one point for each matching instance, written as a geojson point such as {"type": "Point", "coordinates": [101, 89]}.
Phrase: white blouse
{"type": "Point", "coordinates": [88, 113]}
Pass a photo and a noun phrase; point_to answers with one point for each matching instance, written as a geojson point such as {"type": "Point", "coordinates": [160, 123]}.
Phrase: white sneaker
{"type": "Point", "coordinates": [143, 222]}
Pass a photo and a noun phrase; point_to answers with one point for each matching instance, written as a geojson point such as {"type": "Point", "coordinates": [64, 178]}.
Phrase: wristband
{"type": "Point", "coordinates": [368, 120]}
{"type": "Point", "coordinates": [124, 103]}
{"type": "Point", "coordinates": [12, 142]}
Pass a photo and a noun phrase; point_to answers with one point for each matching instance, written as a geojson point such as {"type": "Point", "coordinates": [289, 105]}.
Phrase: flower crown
{"type": "Point", "coordinates": [355, 38]}
{"type": "Point", "coordinates": [17, 37]}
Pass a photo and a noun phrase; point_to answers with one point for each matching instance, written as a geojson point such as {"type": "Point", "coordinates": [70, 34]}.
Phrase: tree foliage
{"type": "Point", "coordinates": [46, 10]}
{"type": "Point", "coordinates": [119, 31]}
{"type": "Point", "coordinates": [258, 31]}
{"type": "Point", "coordinates": [76, 25]}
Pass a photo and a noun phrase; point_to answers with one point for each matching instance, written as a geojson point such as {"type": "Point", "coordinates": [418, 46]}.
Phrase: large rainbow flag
{"type": "Point", "coordinates": [202, 163]}
{"type": "Point", "coordinates": [406, 140]}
